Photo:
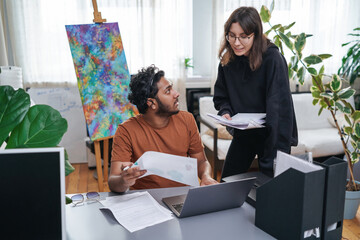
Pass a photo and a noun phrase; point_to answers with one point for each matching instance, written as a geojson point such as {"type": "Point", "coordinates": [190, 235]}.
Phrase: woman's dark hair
{"type": "Point", "coordinates": [143, 85]}
{"type": "Point", "coordinates": [250, 21]}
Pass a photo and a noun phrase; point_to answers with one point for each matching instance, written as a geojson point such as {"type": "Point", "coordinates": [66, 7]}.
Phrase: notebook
{"type": "Point", "coordinates": [32, 181]}
{"type": "Point", "coordinates": [211, 198]}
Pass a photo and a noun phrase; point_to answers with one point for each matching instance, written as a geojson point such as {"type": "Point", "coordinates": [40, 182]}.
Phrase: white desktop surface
{"type": "Point", "coordinates": [87, 221]}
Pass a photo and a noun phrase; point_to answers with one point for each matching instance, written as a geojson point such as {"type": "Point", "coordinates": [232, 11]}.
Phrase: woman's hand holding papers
{"type": "Point", "coordinates": [226, 116]}
{"type": "Point", "coordinates": [124, 176]}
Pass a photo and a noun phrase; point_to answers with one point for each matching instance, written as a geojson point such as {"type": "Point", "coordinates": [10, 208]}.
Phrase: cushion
{"type": "Point", "coordinates": [340, 119]}
{"type": "Point", "coordinates": [223, 145]}
{"type": "Point", "coordinates": [222, 132]}
{"type": "Point", "coordinates": [322, 142]}
{"type": "Point", "coordinates": [307, 114]}
{"type": "Point", "coordinates": [299, 149]}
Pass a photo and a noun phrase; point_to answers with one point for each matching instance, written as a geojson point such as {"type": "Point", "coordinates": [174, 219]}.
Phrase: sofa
{"type": "Point", "coordinates": [316, 134]}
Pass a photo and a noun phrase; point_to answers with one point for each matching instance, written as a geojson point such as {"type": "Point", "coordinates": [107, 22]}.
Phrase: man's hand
{"type": "Point", "coordinates": [128, 177]}
{"type": "Point", "coordinates": [207, 180]}
{"type": "Point", "coordinates": [122, 176]}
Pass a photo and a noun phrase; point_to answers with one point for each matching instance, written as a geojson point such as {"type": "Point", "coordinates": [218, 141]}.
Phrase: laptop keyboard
{"type": "Point", "coordinates": [178, 207]}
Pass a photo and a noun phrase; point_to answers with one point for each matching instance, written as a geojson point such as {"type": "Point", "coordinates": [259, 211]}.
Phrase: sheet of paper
{"type": "Point", "coordinates": [285, 161]}
{"type": "Point", "coordinates": [173, 167]}
{"type": "Point", "coordinates": [136, 211]}
{"type": "Point", "coordinates": [241, 120]}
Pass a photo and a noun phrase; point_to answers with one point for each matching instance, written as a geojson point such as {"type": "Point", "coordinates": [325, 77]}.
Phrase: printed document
{"type": "Point", "coordinates": [136, 211]}
{"type": "Point", "coordinates": [285, 161]}
{"type": "Point", "coordinates": [173, 167]}
{"type": "Point", "coordinates": [242, 121]}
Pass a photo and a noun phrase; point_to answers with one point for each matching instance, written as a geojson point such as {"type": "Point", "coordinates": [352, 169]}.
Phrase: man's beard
{"type": "Point", "coordinates": [164, 110]}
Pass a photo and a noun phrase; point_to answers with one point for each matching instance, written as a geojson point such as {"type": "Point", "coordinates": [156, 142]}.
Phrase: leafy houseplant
{"type": "Point", "coordinates": [188, 63]}
{"type": "Point", "coordinates": [22, 126]}
{"type": "Point", "coordinates": [350, 67]}
{"type": "Point", "coordinates": [328, 95]}
{"type": "Point", "coordinates": [351, 61]}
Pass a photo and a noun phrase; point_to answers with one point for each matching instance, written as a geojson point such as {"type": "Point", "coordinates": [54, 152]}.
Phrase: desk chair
{"type": "Point", "coordinates": [215, 148]}
{"type": "Point", "coordinates": [215, 137]}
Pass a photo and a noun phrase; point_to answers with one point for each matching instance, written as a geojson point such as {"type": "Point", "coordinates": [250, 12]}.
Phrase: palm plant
{"type": "Point", "coordinates": [327, 94]}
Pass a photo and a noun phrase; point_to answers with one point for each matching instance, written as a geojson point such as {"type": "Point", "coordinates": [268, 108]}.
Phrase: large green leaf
{"type": "Point", "coordinates": [312, 59]}
{"type": "Point", "coordinates": [312, 71]}
{"type": "Point", "coordinates": [68, 167]}
{"type": "Point", "coordinates": [301, 75]}
{"type": "Point", "coordinates": [286, 40]}
{"type": "Point", "coordinates": [335, 83]}
{"type": "Point", "coordinates": [42, 126]}
{"type": "Point", "coordinates": [272, 5]}
{"type": "Point", "coordinates": [346, 93]}
{"type": "Point", "coordinates": [356, 115]}
{"type": "Point", "coordinates": [300, 41]}
{"type": "Point", "coordinates": [324, 56]}
{"type": "Point", "coordinates": [357, 130]}
{"type": "Point", "coordinates": [14, 105]}
{"type": "Point", "coordinates": [289, 26]}
{"type": "Point", "coordinates": [265, 14]}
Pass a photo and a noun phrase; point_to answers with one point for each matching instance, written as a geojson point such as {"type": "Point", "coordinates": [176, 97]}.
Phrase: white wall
{"type": "Point", "coordinates": [67, 101]}
{"type": "Point", "coordinates": [202, 23]}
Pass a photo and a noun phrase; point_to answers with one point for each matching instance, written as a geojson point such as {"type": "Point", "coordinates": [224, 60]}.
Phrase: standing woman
{"type": "Point", "coordinates": [253, 78]}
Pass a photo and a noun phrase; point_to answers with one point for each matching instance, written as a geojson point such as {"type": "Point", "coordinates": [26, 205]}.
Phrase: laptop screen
{"type": "Point", "coordinates": [32, 182]}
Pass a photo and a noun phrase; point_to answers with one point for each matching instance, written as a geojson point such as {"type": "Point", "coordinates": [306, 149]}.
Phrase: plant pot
{"type": "Point", "coordinates": [352, 201]}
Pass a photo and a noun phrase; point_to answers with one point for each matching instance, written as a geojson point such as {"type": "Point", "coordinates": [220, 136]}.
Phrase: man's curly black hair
{"type": "Point", "coordinates": [143, 85]}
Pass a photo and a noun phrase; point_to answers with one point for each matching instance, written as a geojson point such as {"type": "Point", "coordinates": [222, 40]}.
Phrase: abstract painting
{"type": "Point", "coordinates": [102, 75]}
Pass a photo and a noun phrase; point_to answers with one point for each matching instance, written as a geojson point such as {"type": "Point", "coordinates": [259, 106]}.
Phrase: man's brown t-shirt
{"type": "Point", "coordinates": [135, 136]}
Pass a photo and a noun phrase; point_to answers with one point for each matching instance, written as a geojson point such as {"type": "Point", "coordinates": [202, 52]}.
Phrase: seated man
{"type": "Point", "coordinates": [159, 127]}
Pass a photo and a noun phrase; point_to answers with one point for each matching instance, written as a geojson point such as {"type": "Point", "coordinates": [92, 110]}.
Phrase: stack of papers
{"type": "Point", "coordinates": [137, 210]}
{"type": "Point", "coordinates": [242, 120]}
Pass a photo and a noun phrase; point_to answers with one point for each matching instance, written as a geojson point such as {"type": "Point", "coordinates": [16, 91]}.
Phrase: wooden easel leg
{"type": "Point", "coordinates": [98, 165]}
{"type": "Point", "coordinates": [106, 159]}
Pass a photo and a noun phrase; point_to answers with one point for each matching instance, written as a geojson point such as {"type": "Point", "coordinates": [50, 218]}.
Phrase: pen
{"type": "Point", "coordinates": [126, 168]}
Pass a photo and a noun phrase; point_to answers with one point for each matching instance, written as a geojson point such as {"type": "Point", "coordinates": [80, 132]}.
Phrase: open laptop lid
{"type": "Point", "coordinates": [260, 180]}
{"type": "Point", "coordinates": [33, 185]}
{"type": "Point", "coordinates": [216, 197]}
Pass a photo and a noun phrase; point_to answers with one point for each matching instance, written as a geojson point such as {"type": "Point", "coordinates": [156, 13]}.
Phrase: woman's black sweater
{"type": "Point", "coordinates": [238, 89]}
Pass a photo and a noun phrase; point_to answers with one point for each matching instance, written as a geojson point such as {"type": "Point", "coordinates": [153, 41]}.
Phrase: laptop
{"type": "Point", "coordinates": [32, 182]}
{"type": "Point", "coordinates": [260, 180]}
{"type": "Point", "coordinates": [211, 198]}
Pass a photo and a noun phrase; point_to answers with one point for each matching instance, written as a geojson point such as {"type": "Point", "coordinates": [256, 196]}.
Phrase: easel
{"type": "Point", "coordinates": [98, 161]}
{"type": "Point", "coordinates": [99, 19]}
{"type": "Point", "coordinates": [97, 14]}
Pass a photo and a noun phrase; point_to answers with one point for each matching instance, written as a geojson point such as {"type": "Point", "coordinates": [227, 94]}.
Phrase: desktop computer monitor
{"type": "Point", "coordinates": [32, 182]}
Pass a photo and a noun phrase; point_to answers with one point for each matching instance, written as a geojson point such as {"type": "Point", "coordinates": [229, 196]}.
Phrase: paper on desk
{"type": "Point", "coordinates": [285, 161]}
{"type": "Point", "coordinates": [241, 120]}
{"type": "Point", "coordinates": [173, 167]}
{"type": "Point", "coordinates": [136, 211]}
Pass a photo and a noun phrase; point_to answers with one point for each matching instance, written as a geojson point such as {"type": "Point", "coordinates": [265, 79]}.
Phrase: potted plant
{"type": "Point", "coordinates": [22, 126]}
{"type": "Point", "coordinates": [326, 90]}
{"type": "Point", "coordinates": [350, 67]}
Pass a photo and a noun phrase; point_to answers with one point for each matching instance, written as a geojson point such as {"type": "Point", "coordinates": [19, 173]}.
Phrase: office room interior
{"type": "Point", "coordinates": [181, 37]}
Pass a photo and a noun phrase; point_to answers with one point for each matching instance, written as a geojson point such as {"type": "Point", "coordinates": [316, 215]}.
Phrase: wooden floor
{"type": "Point", "coordinates": [82, 180]}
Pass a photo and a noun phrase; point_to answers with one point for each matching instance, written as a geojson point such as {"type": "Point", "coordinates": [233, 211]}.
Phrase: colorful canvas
{"type": "Point", "coordinates": [103, 76]}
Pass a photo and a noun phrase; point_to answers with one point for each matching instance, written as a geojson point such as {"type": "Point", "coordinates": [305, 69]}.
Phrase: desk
{"type": "Point", "coordinates": [88, 222]}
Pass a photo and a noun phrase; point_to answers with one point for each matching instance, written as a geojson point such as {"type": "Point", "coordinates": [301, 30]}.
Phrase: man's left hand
{"type": "Point", "coordinates": [207, 181]}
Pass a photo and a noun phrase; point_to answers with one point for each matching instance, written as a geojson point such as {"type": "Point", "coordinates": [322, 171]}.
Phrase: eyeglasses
{"type": "Point", "coordinates": [243, 39]}
{"type": "Point", "coordinates": [90, 196]}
